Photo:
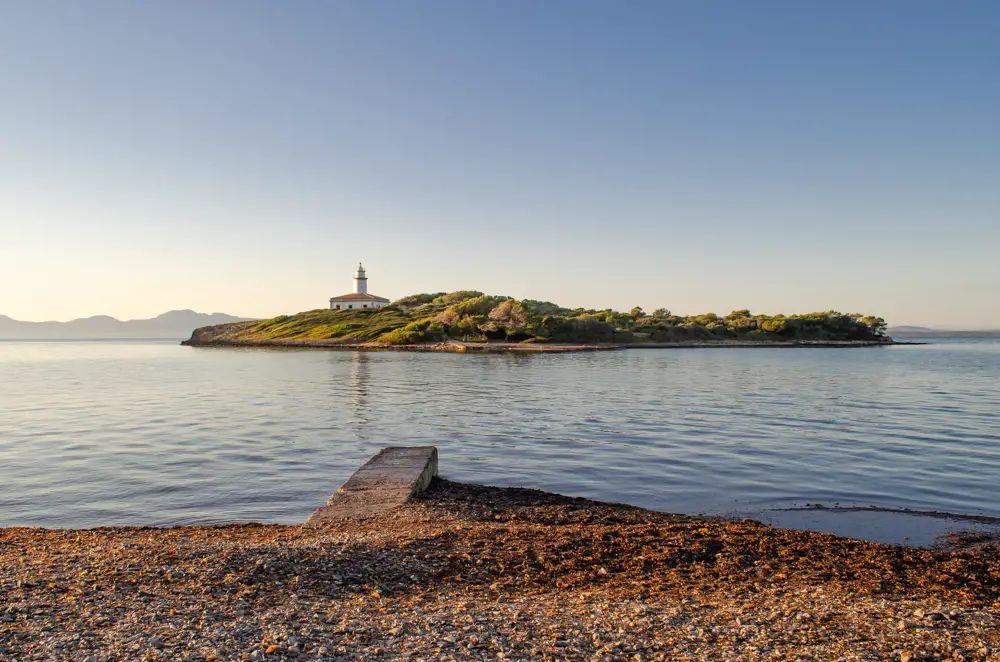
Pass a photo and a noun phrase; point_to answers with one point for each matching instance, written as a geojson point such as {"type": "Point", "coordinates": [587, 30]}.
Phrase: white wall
{"type": "Point", "coordinates": [345, 305]}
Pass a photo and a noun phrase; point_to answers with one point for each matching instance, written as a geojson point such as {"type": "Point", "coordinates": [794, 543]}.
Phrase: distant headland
{"type": "Point", "coordinates": [176, 324]}
{"type": "Point", "coordinates": [924, 332]}
{"type": "Point", "coordinates": [469, 321]}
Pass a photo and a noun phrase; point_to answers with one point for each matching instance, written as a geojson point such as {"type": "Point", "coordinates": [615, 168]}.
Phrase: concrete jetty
{"type": "Point", "coordinates": [387, 480]}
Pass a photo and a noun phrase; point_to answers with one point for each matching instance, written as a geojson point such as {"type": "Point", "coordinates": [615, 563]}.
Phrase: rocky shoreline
{"type": "Point", "coordinates": [470, 572]}
{"type": "Point", "coordinates": [501, 347]}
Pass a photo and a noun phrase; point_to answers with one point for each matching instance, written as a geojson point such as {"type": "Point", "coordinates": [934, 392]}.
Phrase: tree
{"type": "Point", "coordinates": [615, 319]}
{"type": "Point", "coordinates": [455, 297]}
{"type": "Point", "coordinates": [660, 313]}
{"type": "Point", "coordinates": [543, 307]}
{"type": "Point", "coordinates": [877, 325]}
{"type": "Point", "coordinates": [470, 326]}
{"type": "Point", "coordinates": [511, 315]}
{"type": "Point", "coordinates": [637, 313]}
{"type": "Point", "coordinates": [448, 317]}
{"type": "Point", "coordinates": [481, 305]}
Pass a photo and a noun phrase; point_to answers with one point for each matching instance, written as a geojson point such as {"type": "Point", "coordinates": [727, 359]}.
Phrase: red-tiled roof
{"type": "Point", "coordinates": [356, 296]}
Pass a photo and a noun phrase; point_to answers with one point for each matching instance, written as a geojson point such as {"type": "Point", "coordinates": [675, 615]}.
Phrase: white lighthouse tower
{"type": "Point", "coordinates": [359, 298]}
{"type": "Point", "coordinates": [360, 280]}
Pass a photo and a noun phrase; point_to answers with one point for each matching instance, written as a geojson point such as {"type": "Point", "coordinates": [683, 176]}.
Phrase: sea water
{"type": "Point", "coordinates": [135, 433]}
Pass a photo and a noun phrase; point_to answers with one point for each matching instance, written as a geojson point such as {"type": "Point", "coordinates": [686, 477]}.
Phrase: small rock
{"type": "Point", "coordinates": [934, 616]}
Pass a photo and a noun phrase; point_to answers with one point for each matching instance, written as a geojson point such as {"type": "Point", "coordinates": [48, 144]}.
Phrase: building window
{"type": "Point", "coordinates": [366, 305]}
{"type": "Point", "coordinates": [338, 306]}
{"type": "Point", "coordinates": [351, 306]}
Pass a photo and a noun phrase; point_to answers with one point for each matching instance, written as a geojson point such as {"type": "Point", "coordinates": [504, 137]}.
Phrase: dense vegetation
{"type": "Point", "coordinates": [476, 317]}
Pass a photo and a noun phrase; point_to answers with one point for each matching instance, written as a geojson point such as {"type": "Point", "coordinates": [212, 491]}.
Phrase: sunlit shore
{"type": "Point", "coordinates": [469, 572]}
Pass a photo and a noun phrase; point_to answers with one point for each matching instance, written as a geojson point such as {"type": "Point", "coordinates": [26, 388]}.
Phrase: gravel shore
{"type": "Point", "coordinates": [469, 572]}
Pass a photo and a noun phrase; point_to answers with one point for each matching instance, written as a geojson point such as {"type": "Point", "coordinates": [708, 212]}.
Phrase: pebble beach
{"type": "Point", "coordinates": [470, 572]}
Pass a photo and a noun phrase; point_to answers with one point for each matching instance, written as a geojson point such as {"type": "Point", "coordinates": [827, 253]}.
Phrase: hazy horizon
{"type": "Point", "coordinates": [120, 319]}
{"type": "Point", "coordinates": [242, 157]}
{"type": "Point", "coordinates": [222, 312]}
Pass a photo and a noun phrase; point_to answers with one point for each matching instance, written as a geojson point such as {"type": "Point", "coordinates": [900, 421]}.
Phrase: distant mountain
{"type": "Point", "coordinates": [175, 324]}
{"type": "Point", "coordinates": [909, 329]}
{"type": "Point", "coordinates": [922, 331]}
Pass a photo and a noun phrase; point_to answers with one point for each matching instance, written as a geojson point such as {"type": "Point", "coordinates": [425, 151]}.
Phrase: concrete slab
{"type": "Point", "coordinates": [387, 480]}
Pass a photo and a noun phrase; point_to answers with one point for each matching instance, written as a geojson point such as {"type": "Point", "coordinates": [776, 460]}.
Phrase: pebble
{"type": "Point", "coordinates": [671, 587]}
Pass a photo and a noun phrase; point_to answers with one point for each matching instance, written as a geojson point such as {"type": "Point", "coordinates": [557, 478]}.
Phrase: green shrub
{"type": "Point", "coordinates": [417, 332]}
{"type": "Point", "coordinates": [455, 297]}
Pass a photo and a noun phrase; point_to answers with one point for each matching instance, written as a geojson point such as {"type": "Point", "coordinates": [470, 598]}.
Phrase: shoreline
{"type": "Point", "coordinates": [503, 347]}
{"type": "Point", "coordinates": [471, 572]}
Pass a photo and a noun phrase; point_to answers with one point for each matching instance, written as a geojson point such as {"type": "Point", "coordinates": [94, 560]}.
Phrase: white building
{"type": "Point", "coordinates": [359, 298]}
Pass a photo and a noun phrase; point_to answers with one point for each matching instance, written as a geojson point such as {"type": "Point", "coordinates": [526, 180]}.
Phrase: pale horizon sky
{"type": "Point", "coordinates": [243, 156]}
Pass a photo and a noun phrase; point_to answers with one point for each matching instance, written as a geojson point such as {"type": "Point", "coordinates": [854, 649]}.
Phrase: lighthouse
{"type": "Point", "coordinates": [359, 298]}
{"type": "Point", "coordinates": [360, 280]}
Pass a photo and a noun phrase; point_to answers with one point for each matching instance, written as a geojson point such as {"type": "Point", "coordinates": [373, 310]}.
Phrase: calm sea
{"type": "Point", "coordinates": [112, 433]}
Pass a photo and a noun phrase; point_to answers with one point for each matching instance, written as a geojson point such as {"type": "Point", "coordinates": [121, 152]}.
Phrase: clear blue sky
{"type": "Point", "coordinates": [243, 156]}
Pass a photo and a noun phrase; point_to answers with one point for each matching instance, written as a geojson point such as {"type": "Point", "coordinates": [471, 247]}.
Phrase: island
{"type": "Point", "coordinates": [468, 321]}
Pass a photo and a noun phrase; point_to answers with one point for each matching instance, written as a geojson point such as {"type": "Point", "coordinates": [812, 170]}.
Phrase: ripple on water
{"type": "Point", "coordinates": [153, 433]}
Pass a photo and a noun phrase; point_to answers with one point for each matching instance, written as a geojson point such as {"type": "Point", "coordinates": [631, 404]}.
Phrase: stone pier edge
{"type": "Point", "coordinates": [389, 479]}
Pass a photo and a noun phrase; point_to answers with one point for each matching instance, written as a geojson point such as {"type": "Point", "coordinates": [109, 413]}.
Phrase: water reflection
{"type": "Point", "coordinates": [360, 377]}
